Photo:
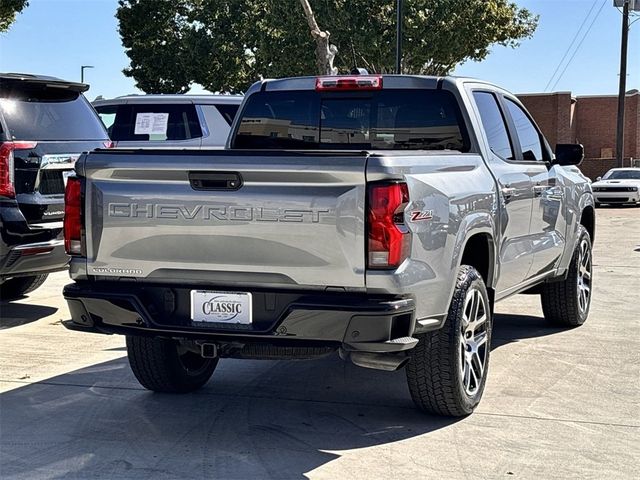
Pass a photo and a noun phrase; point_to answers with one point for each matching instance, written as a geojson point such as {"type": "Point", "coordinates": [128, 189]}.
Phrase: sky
{"type": "Point", "coordinates": [56, 37]}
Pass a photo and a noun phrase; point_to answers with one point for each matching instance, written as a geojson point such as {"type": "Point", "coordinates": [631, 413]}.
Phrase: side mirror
{"type": "Point", "coordinates": [569, 154]}
{"type": "Point", "coordinates": [598, 179]}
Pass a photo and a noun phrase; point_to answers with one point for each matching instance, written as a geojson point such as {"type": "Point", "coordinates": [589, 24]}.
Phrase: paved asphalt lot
{"type": "Point", "coordinates": [558, 404]}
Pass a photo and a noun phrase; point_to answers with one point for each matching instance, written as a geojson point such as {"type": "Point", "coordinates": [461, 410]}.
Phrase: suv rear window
{"type": "Point", "coordinates": [151, 122]}
{"type": "Point", "coordinates": [385, 119]}
{"type": "Point", "coordinates": [41, 113]}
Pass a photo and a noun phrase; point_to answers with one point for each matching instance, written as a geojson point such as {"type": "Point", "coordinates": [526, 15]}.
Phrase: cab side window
{"type": "Point", "coordinates": [494, 125]}
{"type": "Point", "coordinates": [528, 134]}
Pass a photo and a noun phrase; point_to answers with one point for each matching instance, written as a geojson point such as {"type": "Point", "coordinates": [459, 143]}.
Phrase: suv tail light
{"type": "Point", "coordinates": [356, 82]}
{"type": "Point", "coordinates": [73, 216]}
{"type": "Point", "coordinates": [388, 236]}
{"type": "Point", "coordinates": [6, 165]}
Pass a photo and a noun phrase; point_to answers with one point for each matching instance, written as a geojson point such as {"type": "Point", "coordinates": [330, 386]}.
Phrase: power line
{"type": "Point", "coordinates": [580, 44]}
{"type": "Point", "coordinates": [575, 37]}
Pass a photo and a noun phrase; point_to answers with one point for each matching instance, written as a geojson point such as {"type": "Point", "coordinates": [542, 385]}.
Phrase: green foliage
{"type": "Point", "coordinates": [9, 9]}
{"type": "Point", "coordinates": [226, 45]}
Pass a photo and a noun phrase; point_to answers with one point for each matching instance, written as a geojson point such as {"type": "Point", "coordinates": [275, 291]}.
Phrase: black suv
{"type": "Point", "coordinates": [45, 124]}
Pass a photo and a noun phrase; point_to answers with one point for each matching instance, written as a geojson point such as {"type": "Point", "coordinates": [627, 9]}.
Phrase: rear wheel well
{"type": "Point", "coordinates": [478, 253]}
{"type": "Point", "coordinates": [588, 221]}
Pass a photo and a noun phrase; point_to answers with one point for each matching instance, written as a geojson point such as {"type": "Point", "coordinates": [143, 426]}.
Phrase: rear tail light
{"type": "Point", "coordinates": [356, 82]}
{"type": "Point", "coordinates": [7, 188]}
{"type": "Point", "coordinates": [73, 216]}
{"type": "Point", "coordinates": [389, 239]}
{"type": "Point", "coordinates": [108, 144]}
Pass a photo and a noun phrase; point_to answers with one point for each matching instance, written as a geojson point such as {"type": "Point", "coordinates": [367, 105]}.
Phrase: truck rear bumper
{"type": "Point", "coordinates": [353, 323]}
{"type": "Point", "coordinates": [34, 259]}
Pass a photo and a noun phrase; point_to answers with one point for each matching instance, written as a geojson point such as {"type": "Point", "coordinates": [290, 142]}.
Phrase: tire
{"type": "Point", "coordinates": [19, 286]}
{"type": "Point", "coordinates": [566, 303]}
{"type": "Point", "coordinates": [439, 377]}
{"type": "Point", "coordinates": [162, 365]}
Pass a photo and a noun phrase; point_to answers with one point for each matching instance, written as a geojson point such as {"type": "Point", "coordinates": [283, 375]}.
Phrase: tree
{"type": "Point", "coordinates": [226, 45]}
{"type": "Point", "coordinates": [9, 9]}
{"type": "Point", "coordinates": [325, 50]}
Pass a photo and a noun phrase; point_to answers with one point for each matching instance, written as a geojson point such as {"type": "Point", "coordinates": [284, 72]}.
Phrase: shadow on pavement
{"type": "Point", "coordinates": [508, 328]}
{"type": "Point", "coordinates": [15, 314]}
{"type": "Point", "coordinates": [254, 419]}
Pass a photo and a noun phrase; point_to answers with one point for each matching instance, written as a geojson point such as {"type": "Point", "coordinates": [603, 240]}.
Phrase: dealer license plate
{"type": "Point", "coordinates": [220, 307]}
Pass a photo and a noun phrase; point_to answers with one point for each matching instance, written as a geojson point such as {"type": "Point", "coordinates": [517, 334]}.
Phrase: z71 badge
{"type": "Point", "coordinates": [418, 215]}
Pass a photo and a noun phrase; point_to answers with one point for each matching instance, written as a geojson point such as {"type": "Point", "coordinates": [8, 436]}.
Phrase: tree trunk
{"type": "Point", "coordinates": [325, 51]}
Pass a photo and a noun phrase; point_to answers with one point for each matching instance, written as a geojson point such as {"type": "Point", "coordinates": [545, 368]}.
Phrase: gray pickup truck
{"type": "Point", "coordinates": [377, 216]}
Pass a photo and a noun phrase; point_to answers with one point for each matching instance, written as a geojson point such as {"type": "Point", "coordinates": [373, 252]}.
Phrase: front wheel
{"type": "Point", "coordinates": [566, 303]}
{"type": "Point", "coordinates": [448, 368]}
{"type": "Point", "coordinates": [168, 366]}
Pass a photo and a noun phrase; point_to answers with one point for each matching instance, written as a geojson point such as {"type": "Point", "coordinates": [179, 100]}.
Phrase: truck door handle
{"type": "Point", "coordinates": [539, 189]}
{"type": "Point", "coordinates": [215, 180]}
{"type": "Point", "coordinates": [508, 193]}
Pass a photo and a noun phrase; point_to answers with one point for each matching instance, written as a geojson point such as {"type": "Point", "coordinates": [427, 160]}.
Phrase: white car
{"type": "Point", "coordinates": [619, 186]}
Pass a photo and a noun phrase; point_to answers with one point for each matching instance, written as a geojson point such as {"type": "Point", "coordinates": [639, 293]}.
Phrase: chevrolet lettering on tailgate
{"type": "Point", "coordinates": [211, 212]}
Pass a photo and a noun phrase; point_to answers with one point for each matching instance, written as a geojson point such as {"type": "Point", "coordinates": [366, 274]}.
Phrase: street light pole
{"type": "Point", "coordinates": [399, 36]}
{"type": "Point", "coordinates": [623, 85]}
{"type": "Point", "coordinates": [82, 67]}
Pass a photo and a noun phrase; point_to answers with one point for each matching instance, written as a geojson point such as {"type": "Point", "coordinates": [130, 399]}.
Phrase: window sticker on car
{"type": "Point", "coordinates": [151, 123]}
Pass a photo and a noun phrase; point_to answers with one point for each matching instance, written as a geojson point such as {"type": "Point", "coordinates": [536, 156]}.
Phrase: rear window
{"type": "Point", "coordinates": [385, 119]}
{"type": "Point", "coordinates": [41, 113]}
{"type": "Point", "coordinates": [151, 122]}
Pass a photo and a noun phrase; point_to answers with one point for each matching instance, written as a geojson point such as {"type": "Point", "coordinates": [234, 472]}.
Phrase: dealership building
{"type": "Point", "coordinates": [591, 121]}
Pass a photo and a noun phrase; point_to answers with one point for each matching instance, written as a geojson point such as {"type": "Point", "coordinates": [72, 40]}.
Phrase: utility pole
{"type": "Point", "coordinates": [82, 67]}
{"type": "Point", "coordinates": [623, 85]}
{"type": "Point", "coordinates": [399, 37]}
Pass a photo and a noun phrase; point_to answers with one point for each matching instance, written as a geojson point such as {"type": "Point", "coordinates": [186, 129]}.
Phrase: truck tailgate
{"type": "Point", "coordinates": [225, 217]}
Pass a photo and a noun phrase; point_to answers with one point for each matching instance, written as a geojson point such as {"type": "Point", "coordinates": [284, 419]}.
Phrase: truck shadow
{"type": "Point", "coordinates": [509, 328]}
{"type": "Point", "coordinates": [255, 419]}
{"type": "Point", "coordinates": [16, 314]}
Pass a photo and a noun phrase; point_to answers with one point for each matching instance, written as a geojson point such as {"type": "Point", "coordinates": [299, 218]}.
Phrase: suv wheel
{"type": "Point", "coordinates": [567, 303]}
{"type": "Point", "coordinates": [168, 366]}
{"type": "Point", "coordinates": [448, 368]}
{"type": "Point", "coordinates": [19, 286]}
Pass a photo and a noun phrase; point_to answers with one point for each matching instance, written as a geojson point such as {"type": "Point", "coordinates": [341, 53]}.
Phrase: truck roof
{"type": "Point", "coordinates": [389, 81]}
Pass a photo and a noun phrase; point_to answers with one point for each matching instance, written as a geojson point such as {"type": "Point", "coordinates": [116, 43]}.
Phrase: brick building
{"type": "Point", "coordinates": [590, 120]}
